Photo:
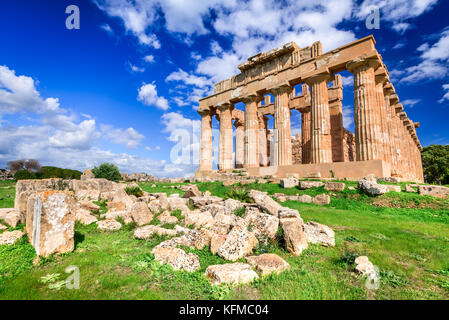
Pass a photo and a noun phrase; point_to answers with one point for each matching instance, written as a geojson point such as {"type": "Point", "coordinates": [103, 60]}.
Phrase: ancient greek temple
{"type": "Point", "coordinates": [384, 142]}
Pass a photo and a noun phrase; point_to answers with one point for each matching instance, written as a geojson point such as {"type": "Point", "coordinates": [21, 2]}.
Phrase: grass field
{"type": "Point", "coordinates": [405, 235]}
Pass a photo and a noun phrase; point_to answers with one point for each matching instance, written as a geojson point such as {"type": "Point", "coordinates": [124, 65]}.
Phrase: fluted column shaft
{"type": "Point", "coordinates": [206, 142]}
{"type": "Point", "coordinates": [282, 131]}
{"type": "Point", "coordinates": [382, 121]}
{"type": "Point", "coordinates": [305, 136]}
{"type": "Point", "coordinates": [226, 138]}
{"type": "Point", "coordinates": [390, 129]}
{"type": "Point", "coordinates": [320, 124]}
{"type": "Point", "coordinates": [251, 149]}
{"type": "Point", "coordinates": [367, 137]}
{"type": "Point", "coordinates": [262, 139]}
{"type": "Point", "coordinates": [239, 144]}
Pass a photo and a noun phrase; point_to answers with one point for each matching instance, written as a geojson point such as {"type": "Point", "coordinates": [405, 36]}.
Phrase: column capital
{"type": "Point", "coordinates": [315, 76]}
{"type": "Point", "coordinates": [205, 112]}
{"type": "Point", "coordinates": [363, 61]}
{"type": "Point", "coordinates": [402, 115]}
{"type": "Point", "coordinates": [398, 108]}
{"type": "Point", "coordinates": [394, 99]}
{"type": "Point", "coordinates": [280, 88]}
{"type": "Point", "coordinates": [381, 75]}
{"type": "Point", "coordinates": [223, 105]}
{"type": "Point", "coordinates": [388, 88]}
{"type": "Point", "coordinates": [252, 97]}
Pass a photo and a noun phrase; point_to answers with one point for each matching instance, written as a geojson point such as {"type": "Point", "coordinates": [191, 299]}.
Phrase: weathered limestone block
{"type": "Point", "coordinates": [233, 273]}
{"type": "Point", "coordinates": [262, 224]}
{"type": "Point", "coordinates": [88, 205]}
{"type": "Point", "coordinates": [177, 258]}
{"type": "Point", "coordinates": [84, 216]}
{"type": "Point", "coordinates": [147, 231]}
{"type": "Point", "coordinates": [50, 222]}
{"type": "Point", "coordinates": [141, 214]}
{"type": "Point", "coordinates": [393, 188]}
{"type": "Point", "coordinates": [289, 182]}
{"type": "Point", "coordinates": [364, 266]}
{"type": "Point", "coordinates": [322, 199]}
{"type": "Point", "coordinates": [310, 184]}
{"type": "Point", "coordinates": [268, 263]}
{"type": "Point", "coordinates": [265, 202]}
{"type": "Point", "coordinates": [216, 241]}
{"type": "Point", "coordinates": [87, 174]}
{"type": "Point", "coordinates": [434, 191]}
{"type": "Point", "coordinates": [295, 239]}
{"type": "Point", "coordinates": [230, 182]}
{"type": "Point", "coordinates": [223, 223]}
{"type": "Point", "coordinates": [2, 227]}
{"type": "Point", "coordinates": [10, 216]}
{"type": "Point", "coordinates": [167, 218]}
{"type": "Point", "coordinates": [109, 225]}
{"type": "Point", "coordinates": [198, 219]}
{"type": "Point", "coordinates": [239, 243]}
{"type": "Point", "coordinates": [10, 237]}
{"type": "Point", "coordinates": [216, 208]}
{"type": "Point", "coordinates": [372, 188]}
{"type": "Point", "coordinates": [175, 202]}
{"type": "Point", "coordinates": [334, 186]}
{"type": "Point", "coordinates": [199, 202]}
{"type": "Point", "coordinates": [408, 188]}
{"type": "Point", "coordinates": [305, 198]}
{"type": "Point", "coordinates": [192, 191]}
{"type": "Point", "coordinates": [125, 215]}
{"type": "Point", "coordinates": [92, 189]}
{"type": "Point", "coordinates": [195, 239]}
{"type": "Point", "coordinates": [285, 212]}
{"type": "Point", "coordinates": [231, 204]}
{"type": "Point", "coordinates": [319, 233]}
{"type": "Point", "coordinates": [120, 201]}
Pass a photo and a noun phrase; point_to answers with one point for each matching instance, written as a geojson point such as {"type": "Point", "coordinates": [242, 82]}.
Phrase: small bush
{"type": "Point", "coordinates": [107, 171]}
{"type": "Point", "coordinates": [240, 212]}
{"type": "Point", "coordinates": [135, 191]}
{"type": "Point", "coordinates": [240, 194]}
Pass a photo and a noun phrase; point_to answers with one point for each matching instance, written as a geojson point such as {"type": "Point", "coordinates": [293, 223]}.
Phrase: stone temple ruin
{"type": "Point", "coordinates": [385, 142]}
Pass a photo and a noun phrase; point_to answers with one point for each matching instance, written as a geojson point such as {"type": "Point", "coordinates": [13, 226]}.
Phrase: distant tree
{"type": "Point", "coordinates": [16, 165]}
{"type": "Point", "coordinates": [32, 165]}
{"type": "Point", "coordinates": [435, 160]}
{"type": "Point", "coordinates": [107, 171]}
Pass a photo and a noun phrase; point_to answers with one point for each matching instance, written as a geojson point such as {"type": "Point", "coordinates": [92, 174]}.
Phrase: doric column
{"type": "Point", "coordinates": [239, 143]}
{"type": "Point", "coordinates": [367, 130]}
{"type": "Point", "coordinates": [381, 79]}
{"type": "Point", "coordinates": [262, 139]}
{"type": "Point", "coordinates": [399, 152]}
{"type": "Point", "coordinates": [251, 149]}
{"type": "Point", "coordinates": [390, 129]}
{"type": "Point", "coordinates": [320, 124]}
{"type": "Point", "coordinates": [226, 137]}
{"type": "Point", "coordinates": [282, 132]}
{"type": "Point", "coordinates": [305, 135]}
{"type": "Point", "coordinates": [403, 141]}
{"type": "Point", "coordinates": [206, 141]}
{"type": "Point", "coordinates": [336, 118]}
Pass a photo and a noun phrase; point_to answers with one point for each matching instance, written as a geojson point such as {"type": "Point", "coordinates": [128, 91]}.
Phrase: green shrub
{"type": "Point", "coordinates": [240, 212]}
{"type": "Point", "coordinates": [107, 171]}
{"type": "Point", "coordinates": [240, 194]}
{"type": "Point", "coordinates": [134, 190]}
{"type": "Point", "coordinates": [48, 172]}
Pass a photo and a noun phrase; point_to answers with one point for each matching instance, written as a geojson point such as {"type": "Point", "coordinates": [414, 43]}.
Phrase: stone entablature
{"type": "Point", "coordinates": [382, 129]}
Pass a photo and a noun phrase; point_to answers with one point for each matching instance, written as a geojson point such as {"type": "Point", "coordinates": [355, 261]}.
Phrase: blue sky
{"type": "Point", "coordinates": [124, 88]}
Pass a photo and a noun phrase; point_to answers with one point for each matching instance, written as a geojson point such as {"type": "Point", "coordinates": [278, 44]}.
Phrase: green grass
{"type": "Point", "coordinates": [405, 235]}
{"type": "Point", "coordinates": [7, 187]}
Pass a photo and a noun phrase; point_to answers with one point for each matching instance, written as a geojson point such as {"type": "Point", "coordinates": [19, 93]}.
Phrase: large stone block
{"type": "Point", "coordinates": [232, 273]}
{"type": "Point", "coordinates": [239, 243]}
{"type": "Point", "coordinates": [434, 191]}
{"type": "Point", "coordinates": [265, 202]}
{"type": "Point", "coordinates": [50, 222]}
{"type": "Point", "coordinates": [295, 239]}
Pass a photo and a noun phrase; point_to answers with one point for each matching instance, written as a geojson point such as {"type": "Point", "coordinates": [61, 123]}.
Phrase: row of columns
{"type": "Point", "coordinates": [380, 131]}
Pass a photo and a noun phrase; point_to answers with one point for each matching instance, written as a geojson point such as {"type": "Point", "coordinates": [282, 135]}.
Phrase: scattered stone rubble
{"type": "Point", "coordinates": [50, 208]}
